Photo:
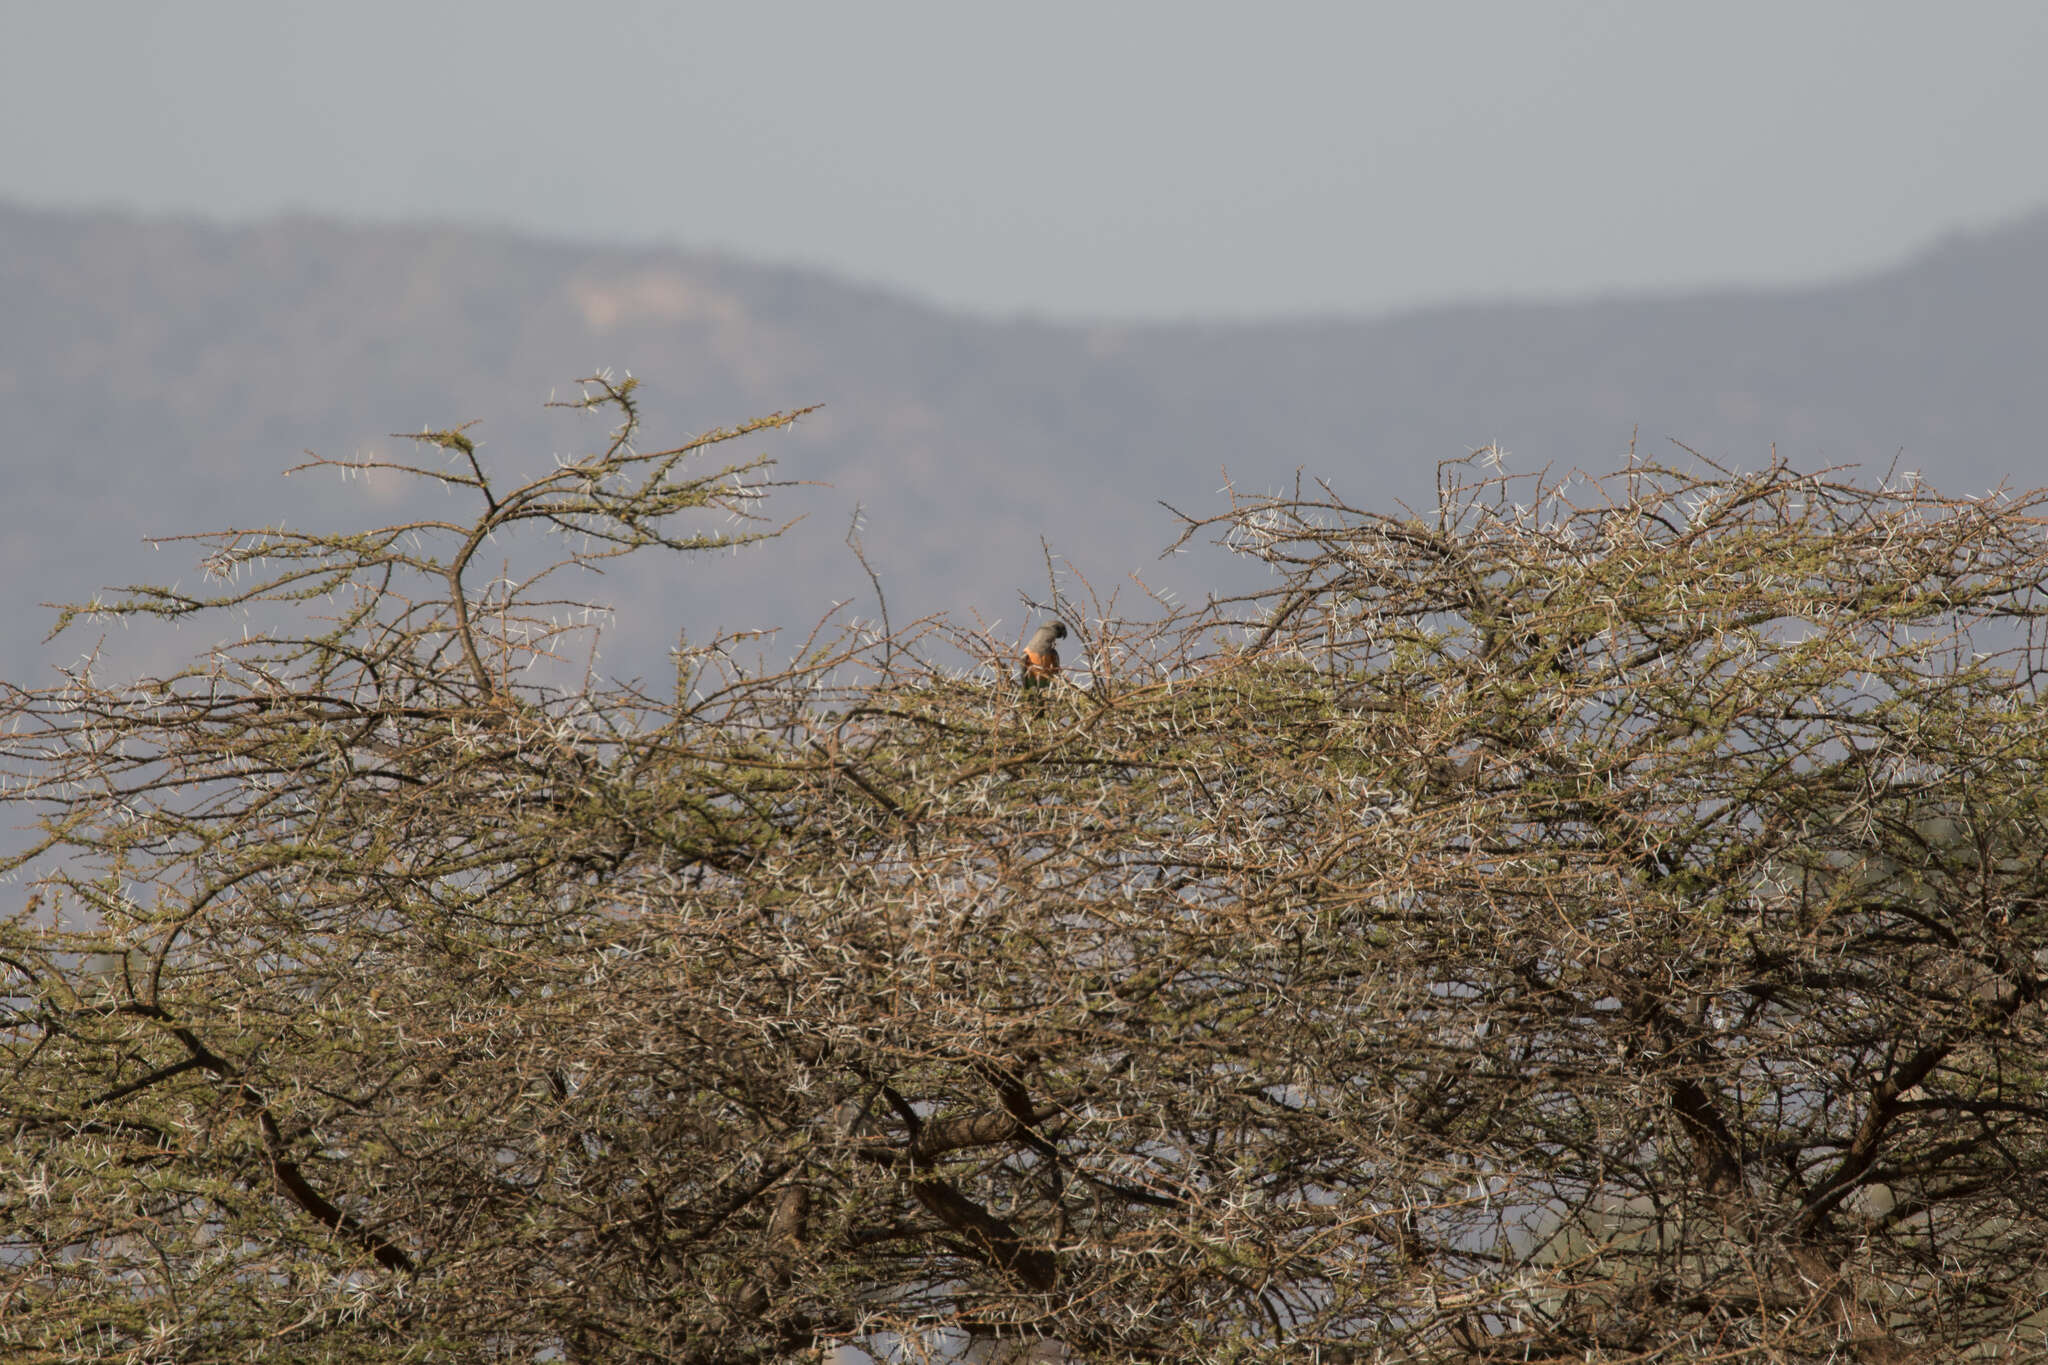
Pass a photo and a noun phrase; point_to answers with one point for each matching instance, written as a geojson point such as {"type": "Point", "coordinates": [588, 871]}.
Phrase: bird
{"type": "Point", "coordinates": [1041, 659]}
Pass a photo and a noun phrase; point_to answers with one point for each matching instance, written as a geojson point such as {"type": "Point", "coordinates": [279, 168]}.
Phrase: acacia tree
{"type": "Point", "coordinates": [1600, 920]}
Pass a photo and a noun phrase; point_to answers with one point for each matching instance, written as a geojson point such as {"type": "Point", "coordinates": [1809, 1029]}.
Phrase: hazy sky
{"type": "Point", "coordinates": [1099, 159]}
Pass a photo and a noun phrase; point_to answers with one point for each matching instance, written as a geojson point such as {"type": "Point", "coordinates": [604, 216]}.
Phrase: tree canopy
{"type": "Point", "coordinates": [1594, 918]}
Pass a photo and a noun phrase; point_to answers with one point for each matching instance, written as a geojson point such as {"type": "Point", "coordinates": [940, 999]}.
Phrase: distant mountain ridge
{"type": "Point", "coordinates": [155, 374]}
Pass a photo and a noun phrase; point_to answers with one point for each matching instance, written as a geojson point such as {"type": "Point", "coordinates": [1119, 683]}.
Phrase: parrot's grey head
{"type": "Point", "coordinates": [1047, 633]}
